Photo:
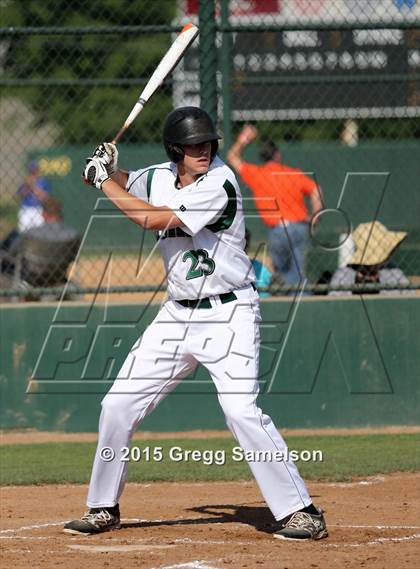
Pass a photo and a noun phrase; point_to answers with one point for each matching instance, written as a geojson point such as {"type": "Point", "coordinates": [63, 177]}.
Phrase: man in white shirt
{"type": "Point", "coordinates": [211, 317]}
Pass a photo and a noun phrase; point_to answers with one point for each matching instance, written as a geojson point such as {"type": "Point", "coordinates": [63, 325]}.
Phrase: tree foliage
{"type": "Point", "coordinates": [87, 84]}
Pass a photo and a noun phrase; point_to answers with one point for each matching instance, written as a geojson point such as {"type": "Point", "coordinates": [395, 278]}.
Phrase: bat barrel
{"type": "Point", "coordinates": [166, 65]}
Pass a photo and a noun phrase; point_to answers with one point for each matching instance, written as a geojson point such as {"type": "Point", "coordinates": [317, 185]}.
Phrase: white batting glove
{"type": "Point", "coordinates": [95, 172]}
{"type": "Point", "coordinates": [107, 153]}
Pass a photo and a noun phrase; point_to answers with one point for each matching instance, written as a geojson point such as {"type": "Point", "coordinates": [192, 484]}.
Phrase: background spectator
{"type": "Point", "coordinates": [33, 192]}
{"type": "Point", "coordinates": [262, 273]}
{"type": "Point", "coordinates": [369, 264]}
{"type": "Point", "coordinates": [279, 193]}
{"type": "Point", "coordinates": [349, 135]}
{"type": "Point", "coordinates": [40, 256]}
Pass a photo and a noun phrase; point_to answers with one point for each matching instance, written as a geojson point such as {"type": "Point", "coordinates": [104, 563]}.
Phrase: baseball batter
{"type": "Point", "coordinates": [211, 317]}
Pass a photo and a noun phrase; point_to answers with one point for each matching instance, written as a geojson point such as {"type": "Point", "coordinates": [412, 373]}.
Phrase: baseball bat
{"type": "Point", "coordinates": [168, 62]}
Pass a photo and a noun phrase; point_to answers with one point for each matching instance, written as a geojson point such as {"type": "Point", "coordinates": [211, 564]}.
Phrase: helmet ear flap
{"type": "Point", "coordinates": [175, 152]}
{"type": "Point", "coordinates": [214, 148]}
{"type": "Point", "coordinates": [178, 152]}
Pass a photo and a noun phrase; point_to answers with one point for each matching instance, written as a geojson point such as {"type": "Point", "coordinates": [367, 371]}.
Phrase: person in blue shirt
{"type": "Point", "coordinates": [262, 273]}
{"type": "Point", "coordinates": [33, 193]}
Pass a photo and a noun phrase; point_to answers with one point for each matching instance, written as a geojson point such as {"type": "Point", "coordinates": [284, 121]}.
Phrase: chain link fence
{"type": "Point", "coordinates": [334, 84]}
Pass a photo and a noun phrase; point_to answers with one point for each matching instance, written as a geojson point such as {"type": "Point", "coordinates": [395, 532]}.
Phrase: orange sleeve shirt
{"type": "Point", "coordinates": [279, 191]}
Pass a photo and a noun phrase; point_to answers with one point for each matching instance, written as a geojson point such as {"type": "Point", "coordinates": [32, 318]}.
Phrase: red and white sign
{"type": "Point", "coordinates": [241, 7]}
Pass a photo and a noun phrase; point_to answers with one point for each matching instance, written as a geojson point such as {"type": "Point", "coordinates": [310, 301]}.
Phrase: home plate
{"type": "Point", "coordinates": [117, 548]}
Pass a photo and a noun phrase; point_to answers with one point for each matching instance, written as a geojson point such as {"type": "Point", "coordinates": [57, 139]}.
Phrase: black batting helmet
{"type": "Point", "coordinates": [188, 125]}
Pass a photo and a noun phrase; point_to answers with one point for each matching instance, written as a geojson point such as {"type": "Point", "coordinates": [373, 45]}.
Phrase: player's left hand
{"type": "Point", "coordinates": [108, 155]}
{"type": "Point", "coordinates": [95, 172]}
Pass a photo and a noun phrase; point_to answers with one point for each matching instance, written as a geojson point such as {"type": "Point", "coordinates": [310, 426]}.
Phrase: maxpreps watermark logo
{"type": "Point", "coordinates": [84, 349]}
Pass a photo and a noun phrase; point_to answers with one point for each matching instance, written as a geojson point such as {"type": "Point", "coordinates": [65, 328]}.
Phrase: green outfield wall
{"type": "Point", "coordinates": [324, 363]}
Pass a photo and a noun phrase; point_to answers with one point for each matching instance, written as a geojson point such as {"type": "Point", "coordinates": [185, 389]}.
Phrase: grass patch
{"type": "Point", "coordinates": [344, 457]}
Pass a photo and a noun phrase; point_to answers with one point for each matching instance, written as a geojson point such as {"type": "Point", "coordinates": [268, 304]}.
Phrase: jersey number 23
{"type": "Point", "coordinates": [201, 263]}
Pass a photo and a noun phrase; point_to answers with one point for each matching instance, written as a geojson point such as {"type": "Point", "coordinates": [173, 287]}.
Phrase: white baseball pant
{"type": "Point", "coordinates": [225, 339]}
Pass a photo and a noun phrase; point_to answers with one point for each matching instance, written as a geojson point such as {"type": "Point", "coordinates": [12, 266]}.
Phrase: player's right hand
{"type": "Point", "coordinates": [95, 173]}
{"type": "Point", "coordinates": [107, 153]}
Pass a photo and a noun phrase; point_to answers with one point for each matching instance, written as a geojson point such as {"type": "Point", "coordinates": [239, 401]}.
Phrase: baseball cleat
{"type": "Point", "coordinates": [301, 525]}
{"type": "Point", "coordinates": [96, 520]}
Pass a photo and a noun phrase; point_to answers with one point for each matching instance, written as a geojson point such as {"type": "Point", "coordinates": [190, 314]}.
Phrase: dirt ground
{"type": "Point", "coordinates": [91, 270]}
{"type": "Point", "coordinates": [373, 523]}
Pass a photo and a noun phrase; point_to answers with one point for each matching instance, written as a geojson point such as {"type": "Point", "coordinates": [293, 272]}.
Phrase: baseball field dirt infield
{"type": "Point", "coordinates": [373, 523]}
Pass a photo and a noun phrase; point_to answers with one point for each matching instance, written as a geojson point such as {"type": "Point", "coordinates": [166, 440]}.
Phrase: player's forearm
{"type": "Point", "coordinates": [120, 177]}
{"type": "Point", "coordinates": [139, 211]}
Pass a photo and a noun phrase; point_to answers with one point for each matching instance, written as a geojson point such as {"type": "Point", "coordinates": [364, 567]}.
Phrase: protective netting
{"type": "Point", "coordinates": [334, 84]}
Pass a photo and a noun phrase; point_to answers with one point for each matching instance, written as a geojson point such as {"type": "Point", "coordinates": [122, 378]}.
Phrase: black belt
{"type": "Point", "coordinates": [205, 302]}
